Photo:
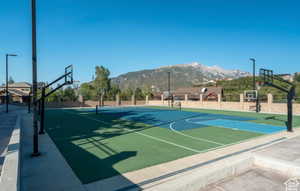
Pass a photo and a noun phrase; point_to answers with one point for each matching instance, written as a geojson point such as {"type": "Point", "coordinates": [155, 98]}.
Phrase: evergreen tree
{"type": "Point", "coordinates": [101, 83]}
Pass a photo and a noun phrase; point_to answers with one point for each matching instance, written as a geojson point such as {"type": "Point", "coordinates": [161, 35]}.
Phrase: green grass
{"type": "Point", "coordinates": [98, 146]}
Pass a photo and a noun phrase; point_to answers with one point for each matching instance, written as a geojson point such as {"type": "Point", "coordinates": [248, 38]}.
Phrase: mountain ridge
{"type": "Point", "coordinates": [182, 75]}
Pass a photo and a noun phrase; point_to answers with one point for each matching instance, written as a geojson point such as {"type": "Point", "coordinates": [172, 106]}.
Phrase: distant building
{"type": "Point", "coordinates": [287, 77]}
{"type": "Point", "coordinates": [18, 92]}
{"type": "Point", "coordinates": [228, 79]}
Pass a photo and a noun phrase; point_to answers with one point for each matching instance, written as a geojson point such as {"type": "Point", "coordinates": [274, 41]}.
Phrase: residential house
{"type": "Point", "coordinates": [18, 92]}
{"type": "Point", "coordinates": [287, 77]}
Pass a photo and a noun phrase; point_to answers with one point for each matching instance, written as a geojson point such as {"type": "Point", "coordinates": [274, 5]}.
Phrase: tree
{"type": "Point", "coordinates": [101, 83]}
{"type": "Point", "coordinates": [54, 97]}
{"type": "Point", "coordinates": [11, 80]}
{"type": "Point", "coordinates": [147, 91]}
{"type": "Point", "coordinates": [139, 94]}
{"type": "Point", "coordinates": [297, 77]}
{"type": "Point", "coordinates": [113, 91]}
{"type": "Point", "coordinates": [87, 91]}
{"type": "Point", "coordinates": [69, 94]}
{"type": "Point", "coordinates": [126, 94]}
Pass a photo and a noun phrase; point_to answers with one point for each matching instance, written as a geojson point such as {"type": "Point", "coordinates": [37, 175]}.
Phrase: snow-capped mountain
{"type": "Point", "coordinates": [182, 75]}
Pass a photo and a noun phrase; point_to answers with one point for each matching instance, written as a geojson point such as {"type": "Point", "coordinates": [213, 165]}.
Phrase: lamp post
{"type": "Point", "coordinates": [34, 80]}
{"type": "Point", "coordinates": [253, 62]}
{"type": "Point", "coordinates": [169, 88]}
{"type": "Point", "coordinates": [254, 87]}
{"type": "Point", "coordinates": [6, 96]}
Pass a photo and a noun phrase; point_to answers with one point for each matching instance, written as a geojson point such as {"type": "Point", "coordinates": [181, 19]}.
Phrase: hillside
{"type": "Point", "coordinates": [182, 75]}
{"type": "Point", "coordinates": [233, 88]}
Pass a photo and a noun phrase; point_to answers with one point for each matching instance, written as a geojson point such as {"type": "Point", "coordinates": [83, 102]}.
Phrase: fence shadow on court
{"type": "Point", "coordinates": [96, 166]}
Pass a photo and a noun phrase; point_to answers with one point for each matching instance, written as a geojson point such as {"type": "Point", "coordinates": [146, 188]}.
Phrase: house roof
{"type": "Point", "coordinates": [14, 92]}
{"type": "Point", "coordinates": [283, 74]}
{"type": "Point", "coordinates": [18, 85]}
{"type": "Point", "coordinates": [18, 89]}
{"type": "Point", "coordinates": [214, 90]}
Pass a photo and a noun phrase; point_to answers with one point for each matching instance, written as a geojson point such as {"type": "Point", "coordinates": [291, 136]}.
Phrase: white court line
{"type": "Point", "coordinates": [235, 129]}
{"type": "Point", "coordinates": [145, 135]}
{"type": "Point", "coordinates": [196, 138]}
{"type": "Point", "coordinates": [190, 149]}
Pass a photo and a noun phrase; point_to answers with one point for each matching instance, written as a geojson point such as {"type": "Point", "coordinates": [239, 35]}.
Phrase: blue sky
{"type": "Point", "coordinates": [130, 35]}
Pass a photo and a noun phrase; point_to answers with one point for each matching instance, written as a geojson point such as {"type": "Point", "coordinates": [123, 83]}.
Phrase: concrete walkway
{"type": "Point", "coordinates": [7, 124]}
{"type": "Point", "coordinates": [273, 167]}
{"type": "Point", "coordinates": [48, 172]}
{"type": "Point", "coordinates": [255, 179]}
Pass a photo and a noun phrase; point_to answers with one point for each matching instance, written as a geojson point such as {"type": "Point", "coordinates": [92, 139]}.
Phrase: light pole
{"type": "Point", "coordinates": [6, 96]}
{"type": "Point", "coordinates": [254, 87]}
{"type": "Point", "coordinates": [253, 62]}
{"type": "Point", "coordinates": [34, 80]}
{"type": "Point", "coordinates": [169, 88]}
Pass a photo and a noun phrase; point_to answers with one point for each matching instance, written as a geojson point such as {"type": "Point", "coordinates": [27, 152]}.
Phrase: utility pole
{"type": "Point", "coordinates": [169, 89]}
{"type": "Point", "coordinates": [254, 86]}
{"type": "Point", "coordinates": [6, 89]}
{"type": "Point", "coordinates": [253, 65]}
{"type": "Point", "coordinates": [34, 81]}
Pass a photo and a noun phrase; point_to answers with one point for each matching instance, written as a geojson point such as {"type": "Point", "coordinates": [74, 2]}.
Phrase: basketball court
{"type": "Point", "coordinates": [124, 139]}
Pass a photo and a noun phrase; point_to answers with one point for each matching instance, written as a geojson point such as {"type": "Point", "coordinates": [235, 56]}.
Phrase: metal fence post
{"type": "Point", "coordinates": [42, 110]}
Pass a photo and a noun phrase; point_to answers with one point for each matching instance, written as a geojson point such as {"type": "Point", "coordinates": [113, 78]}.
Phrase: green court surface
{"type": "Point", "coordinates": [120, 140]}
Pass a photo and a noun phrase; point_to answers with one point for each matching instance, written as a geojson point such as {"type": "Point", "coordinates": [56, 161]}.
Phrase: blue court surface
{"type": "Point", "coordinates": [242, 125]}
{"type": "Point", "coordinates": [186, 120]}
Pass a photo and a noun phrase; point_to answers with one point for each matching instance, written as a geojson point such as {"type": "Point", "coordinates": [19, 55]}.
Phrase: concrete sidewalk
{"type": "Point", "coordinates": [273, 167]}
{"type": "Point", "coordinates": [255, 179]}
{"type": "Point", "coordinates": [10, 148]}
{"type": "Point", "coordinates": [7, 124]}
{"type": "Point", "coordinates": [48, 172]}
